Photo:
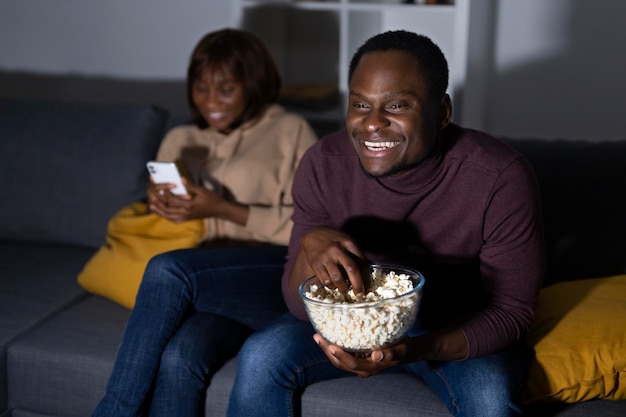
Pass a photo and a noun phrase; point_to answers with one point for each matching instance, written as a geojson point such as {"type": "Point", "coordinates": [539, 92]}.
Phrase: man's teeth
{"type": "Point", "coordinates": [380, 146]}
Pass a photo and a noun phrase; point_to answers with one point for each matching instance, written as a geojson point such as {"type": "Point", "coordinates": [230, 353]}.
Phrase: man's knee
{"type": "Point", "coordinates": [490, 398]}
{"type": "Point", "coordinates": [486, 386]}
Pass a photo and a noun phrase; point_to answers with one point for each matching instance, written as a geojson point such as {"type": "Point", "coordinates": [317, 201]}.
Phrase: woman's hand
{"type": "Point", "coordinates": [198, 204]}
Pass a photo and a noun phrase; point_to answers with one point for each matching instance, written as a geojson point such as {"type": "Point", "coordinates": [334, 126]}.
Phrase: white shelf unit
{"type": "Point", "coordinates": [313, 41]}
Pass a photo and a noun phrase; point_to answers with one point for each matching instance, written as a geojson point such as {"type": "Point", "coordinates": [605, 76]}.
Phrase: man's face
{"type": "Point", "coordinates": [391, 120]}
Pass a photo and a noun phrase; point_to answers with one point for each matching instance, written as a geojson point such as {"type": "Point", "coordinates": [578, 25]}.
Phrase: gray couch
{"type": "Point", "coordinates": [66, 168]}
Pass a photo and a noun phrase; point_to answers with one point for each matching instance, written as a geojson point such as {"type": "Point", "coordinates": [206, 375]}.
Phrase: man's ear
{"type": "Point", "coordinates": [445, 112]}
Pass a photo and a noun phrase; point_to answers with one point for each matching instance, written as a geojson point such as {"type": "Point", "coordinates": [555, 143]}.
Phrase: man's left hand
{"type": "Point", "coordinates": [377, 361]}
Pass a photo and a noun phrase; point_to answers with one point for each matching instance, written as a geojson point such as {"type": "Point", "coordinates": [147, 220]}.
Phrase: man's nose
{"type": "Point", "coordinates": [375, 120]}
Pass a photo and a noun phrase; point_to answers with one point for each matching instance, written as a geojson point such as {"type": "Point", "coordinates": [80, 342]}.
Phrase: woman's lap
{"type": "Point", "coordinates": [237, 284]}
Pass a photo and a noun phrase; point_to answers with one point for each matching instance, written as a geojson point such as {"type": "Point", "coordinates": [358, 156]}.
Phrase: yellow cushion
{"type": "Point", "coordinates": [133, 237]}
{"type": "Point", "coordinates": [579, 338]}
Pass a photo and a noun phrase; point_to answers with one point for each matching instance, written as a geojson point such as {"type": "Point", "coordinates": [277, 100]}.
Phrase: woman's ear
{"type": "Point", "coordinates": [445, 112]}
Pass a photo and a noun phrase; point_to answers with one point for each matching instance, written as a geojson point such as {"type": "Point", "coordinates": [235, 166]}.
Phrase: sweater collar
{"type": "Point", "coordinates": [225, 145]}
{"type": "Point", "coordinates": [427, 171]}
{"type": "Point", "coordinates": [270, 112]}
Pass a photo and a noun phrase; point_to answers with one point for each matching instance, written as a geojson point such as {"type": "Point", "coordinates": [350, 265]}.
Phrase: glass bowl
{"type": "Point", "coordinates": [359, 325]}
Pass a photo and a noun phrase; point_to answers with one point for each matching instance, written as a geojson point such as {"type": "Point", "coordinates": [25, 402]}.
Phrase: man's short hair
{"type": "Point", "coordinates": [432, 63]}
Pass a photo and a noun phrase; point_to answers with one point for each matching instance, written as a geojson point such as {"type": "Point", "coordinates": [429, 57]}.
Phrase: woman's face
{"type": "Point", "coordinates": [220, 98]}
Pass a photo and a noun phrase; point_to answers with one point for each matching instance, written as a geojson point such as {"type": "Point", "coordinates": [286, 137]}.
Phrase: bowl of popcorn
{"type": "Point", "coordinates": [375, 320]}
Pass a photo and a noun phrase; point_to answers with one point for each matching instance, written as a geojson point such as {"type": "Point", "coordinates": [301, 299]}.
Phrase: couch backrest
{"type": "Point", "coordinates": [66, 168]}
{"type": "Point", "coordinates": [583, 189]}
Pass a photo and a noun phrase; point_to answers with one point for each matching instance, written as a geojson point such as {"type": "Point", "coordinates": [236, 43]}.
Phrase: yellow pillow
{"type": "Point", "coordinates": [579, 338]}
{"type": "Point", "coordinates": [133, 237]}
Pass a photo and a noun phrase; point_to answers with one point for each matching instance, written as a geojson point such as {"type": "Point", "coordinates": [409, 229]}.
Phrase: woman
{"type": "Point", "coordinates": [242, 148]}
{"type": "Point", "coordinates": [195, 307]}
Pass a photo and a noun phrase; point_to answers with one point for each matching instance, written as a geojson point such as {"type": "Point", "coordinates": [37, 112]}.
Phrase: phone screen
{"type": "Point", "coordinates": [166, 172]}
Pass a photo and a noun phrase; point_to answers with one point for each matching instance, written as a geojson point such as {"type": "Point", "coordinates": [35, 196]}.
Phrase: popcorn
{"type": "Point", "coordinates": [366, 322]}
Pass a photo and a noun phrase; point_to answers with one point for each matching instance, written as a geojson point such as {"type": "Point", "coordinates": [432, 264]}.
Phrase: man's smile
{"type": "Point", "coordinates": [380, 146]}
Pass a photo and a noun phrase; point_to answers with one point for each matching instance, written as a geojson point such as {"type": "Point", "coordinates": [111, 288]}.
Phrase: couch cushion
{"type": "Point", "coordinates": [35, 282]}
{"type": "Point", "coordinates": [593, 408]}
{"type": "Point", "coordinates": [391, 394]}
{"type": "Point", "coordinates": [62, 365]}
{"type": "Point", "coordinates": [579, 339]}
{"type": "Point", "coordinates": [66, 168]}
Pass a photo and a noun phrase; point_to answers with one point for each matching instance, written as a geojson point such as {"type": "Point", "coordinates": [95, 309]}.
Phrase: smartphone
{"type": "Point", "coordinates": [166, 172]}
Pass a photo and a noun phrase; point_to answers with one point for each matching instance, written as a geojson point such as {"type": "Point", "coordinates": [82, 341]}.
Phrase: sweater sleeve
{"type": "Point", "coordinates": [272, 223]}
{"type": "Point", "coordinates": [309, 212]}
{"type": "Point", "coordinates": [512, 262]}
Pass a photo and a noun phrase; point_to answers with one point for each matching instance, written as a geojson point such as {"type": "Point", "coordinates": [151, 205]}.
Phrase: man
{"type": "Point", "coordinates": [404, 185]}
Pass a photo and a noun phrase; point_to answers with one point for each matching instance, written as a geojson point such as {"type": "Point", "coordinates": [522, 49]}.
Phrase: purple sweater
{"type": "Point", "coordinates": [468, 218]}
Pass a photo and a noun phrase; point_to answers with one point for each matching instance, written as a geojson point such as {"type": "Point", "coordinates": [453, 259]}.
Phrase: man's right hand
{"type": "Point", "coordinates": [325, 252]}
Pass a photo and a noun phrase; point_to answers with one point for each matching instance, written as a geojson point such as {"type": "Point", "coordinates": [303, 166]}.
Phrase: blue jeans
{"type": "Point", "coordinates": [194, 310]}
{"type": "Point", "coordinates": [278, 362]}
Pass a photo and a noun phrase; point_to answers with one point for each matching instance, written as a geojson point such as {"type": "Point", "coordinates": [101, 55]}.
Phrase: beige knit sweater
{"type": "Point", "coordinates": [253, 165]}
